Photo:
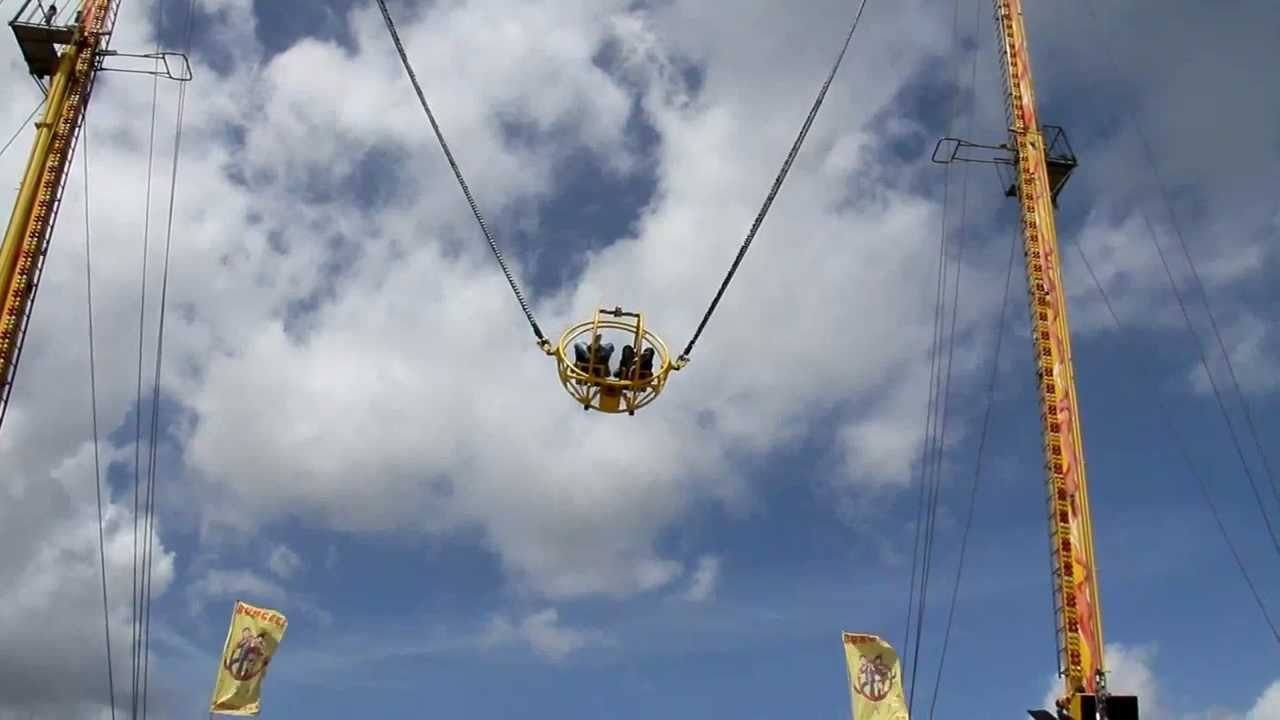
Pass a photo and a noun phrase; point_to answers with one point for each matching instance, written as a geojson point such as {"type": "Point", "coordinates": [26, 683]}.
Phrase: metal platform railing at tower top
{"type": "Point", "coordinates": [1056, 146]}
{"type": "Point", "coordinates": [1059, 158]}
{"type": "Point", "coordinates": [48, 14]}
{"type": "Point", "coordinates": [43, 29]}
{"type": "Point", "coordinates": [40, 28]}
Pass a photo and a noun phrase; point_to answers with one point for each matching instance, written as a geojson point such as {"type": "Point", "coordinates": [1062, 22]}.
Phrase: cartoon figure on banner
{"type": "Point", "coordinates": [248, 657]}
{"type": "Point", "coordinates": [875, 679]}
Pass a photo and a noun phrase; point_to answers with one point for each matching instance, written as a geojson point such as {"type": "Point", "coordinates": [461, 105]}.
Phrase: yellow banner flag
{"type": "Point", "coordinates": [875, 678]}
{"type": "Point", "coordinates": [252, 639]}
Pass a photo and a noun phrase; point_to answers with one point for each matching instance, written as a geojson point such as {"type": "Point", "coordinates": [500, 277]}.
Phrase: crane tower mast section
{"type": "Point", "coordinates": [26, 238]}
{"type": "Point", "coordinates": [1075, 583]}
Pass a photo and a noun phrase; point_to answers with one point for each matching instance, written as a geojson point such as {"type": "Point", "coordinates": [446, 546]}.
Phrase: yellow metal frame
{"type": "Point", "coordinates": [609, 394]}
{"type": "Point", "coordinates": [1075, 581]}
{"type": "Point", "coordinates": [26, 238]}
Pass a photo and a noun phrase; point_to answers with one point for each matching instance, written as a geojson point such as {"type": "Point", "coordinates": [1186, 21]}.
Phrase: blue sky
{"type": "Point", "coordinates": [359, 431]}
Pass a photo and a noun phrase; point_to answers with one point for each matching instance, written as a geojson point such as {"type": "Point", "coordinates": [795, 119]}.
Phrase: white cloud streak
{"type": "Point", "coordinates": [702, 585]}
{"type": "Point", "coordinates": [543, 632]}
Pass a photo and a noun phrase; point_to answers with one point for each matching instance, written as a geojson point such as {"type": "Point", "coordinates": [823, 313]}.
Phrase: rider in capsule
{"type": "Point", "coordinates": [582, 357]}
{"type": "Point", "coordinates": [625, 364]}
{"type": "Point", "coordinates": [646, 364]}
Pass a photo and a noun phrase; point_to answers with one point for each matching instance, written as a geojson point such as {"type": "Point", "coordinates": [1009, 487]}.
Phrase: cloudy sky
{"type": "Point", "coordinates": [357, 429]}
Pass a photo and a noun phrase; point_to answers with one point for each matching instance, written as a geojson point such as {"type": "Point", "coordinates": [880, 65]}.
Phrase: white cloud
{"type": "Point", "coordinates": [284, 562]}
{"type": "Point", "coordinates": [1268, 705]}
{"type": "Point", "coordinates": [408, 397]}
{"type": "Point", "coordinates": [392, 390]}
{"type": "Point", "coordinates": [365, 421]}
{"type": "Point", "coordinates": [702, 585]}
{"type": "Point", "coordinates": [248, 586]}
{"type": "Point", "coordinates": [543, 632]}
{"type": "Point", "coordinates": [235, 584]}
{"type": "Point", "coordinates": [1131, 670]}
{"type": "Point", "coordinates": [1132, 274]}
{"type": "Point", "coordinates": [1253, 344]}
{"type": "Point", "coordinates": [54, 652]}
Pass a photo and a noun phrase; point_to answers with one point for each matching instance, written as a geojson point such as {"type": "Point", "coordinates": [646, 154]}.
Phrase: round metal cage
{"type": "Point", "coordinates": [596, 386]}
